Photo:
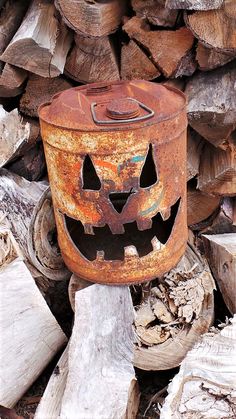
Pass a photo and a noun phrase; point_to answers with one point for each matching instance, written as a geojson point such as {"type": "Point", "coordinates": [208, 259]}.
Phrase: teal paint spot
{"type": "Point", "coordinates": [136, 159]}
{"type": "Point", "coordinates": [153, 207]}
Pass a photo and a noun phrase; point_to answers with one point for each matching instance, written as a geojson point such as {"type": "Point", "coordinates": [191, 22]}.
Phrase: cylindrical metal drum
{"type": "Point", "coordinates": [116, 157]}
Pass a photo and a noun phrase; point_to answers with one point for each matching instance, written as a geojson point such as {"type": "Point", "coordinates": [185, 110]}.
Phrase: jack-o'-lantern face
{"type": "Point", "coordinates": [119, 191]}
{"type": "Point", "coordinates": [126, 208]}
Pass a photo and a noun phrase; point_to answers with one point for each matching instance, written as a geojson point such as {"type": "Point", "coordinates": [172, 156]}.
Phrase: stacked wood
{"type": "Point", "coordinates": [170, 50]}
{"type": "Point", "coordinates": [92, 59]}
{"type": "Point", "coordinates": [200, 207]}
{"type": "Point", "coordinates": [205, 384]}
{"type": "Point", "coordinates": [93, 18]}
{"type": "Point", "coordinates": [41, 43]}
{"type": "Point", "coordinates": [12, 81]}
{"type": "Point", "coordinates": [217, 173]}
{"type": "Point", "coordinates": [35, 224]}
{"type": "Point", "coordinates": [40, 90]}
{"type": "Point", "coordinates": [174, 314]}
{"type": "Point", "coordinates": [30, 335]}
{"type": "Point", "coordinates": [224, 221]}
{"type": "Point", "coordinates": [155, 12]}
{"type": "Point", "coordinates": [194, 4]}
{"type": "Point", "coordinates": [96, 383]}
{"type": "Point", "coordinates": [212, 104]}
{"type": "Point", "coordinates": [194, 148]}
{"type": "Point", "coordinates": [221, 254]}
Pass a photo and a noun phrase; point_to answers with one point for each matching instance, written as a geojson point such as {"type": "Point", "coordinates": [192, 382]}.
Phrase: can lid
{"type": "Point", "coordinates": [113, 106]}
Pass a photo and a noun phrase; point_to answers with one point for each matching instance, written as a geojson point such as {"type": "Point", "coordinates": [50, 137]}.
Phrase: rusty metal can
{"type": "Point", "coordinates": [116, 158]}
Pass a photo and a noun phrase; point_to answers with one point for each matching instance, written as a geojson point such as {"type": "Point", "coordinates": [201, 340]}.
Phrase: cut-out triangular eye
{"type": "Point", "coordinates": [89, 175]}
{"type": "Point", "coordinates": [149, 174]}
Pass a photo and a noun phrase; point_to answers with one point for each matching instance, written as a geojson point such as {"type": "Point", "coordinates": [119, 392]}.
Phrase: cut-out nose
{"type": "Point", "coordinates": [119, 200]}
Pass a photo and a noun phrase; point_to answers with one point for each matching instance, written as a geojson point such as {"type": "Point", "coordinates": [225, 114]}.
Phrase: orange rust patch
{"type": "Point", "coordinates": [106, 164]}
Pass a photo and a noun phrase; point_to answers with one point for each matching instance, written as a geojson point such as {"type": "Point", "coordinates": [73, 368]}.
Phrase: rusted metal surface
{"type": "Point", "coordinates": [119, 184]}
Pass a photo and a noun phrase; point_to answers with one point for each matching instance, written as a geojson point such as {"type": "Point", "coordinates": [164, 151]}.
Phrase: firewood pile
{"type": "Point", "coordinates": [48, 46]}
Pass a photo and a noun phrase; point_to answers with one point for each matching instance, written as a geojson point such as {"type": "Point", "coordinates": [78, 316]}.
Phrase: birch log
{"type": "Point", "coordinates": [205, 385]}
{"type": "Point", "coordinates": [221, 253]}
{"type": "Point", "coordinates": [101, 376]}
{"type": "Point", "coordinates": [30, 335]}
{"type": "Point", "coordinates": [28, 209]}
{"type": "Point", "coordinates": [174, 314]}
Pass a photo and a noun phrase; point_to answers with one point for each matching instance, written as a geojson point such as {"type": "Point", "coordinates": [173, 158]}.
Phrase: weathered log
{"type": "Point", "coordinates": [155, 11]}
{"type": "Point", "coordinates": [10, 20]}
{"type": "Point", "coordinates": [217, 172]}
{"type": "Point", "coordinates": [101, 375]}
{"type": "Point", "coordinates": [212, 103]}
{"type": "Point", "coordinates": [135, 64]}
{"type": "Point", "coordinates": [221, 254]}
{"type": "Point", "coordinates": [41, 43]}
{"type": "Point", "coordinates": [50, 403]}
{"type": "Point", "coordinates": [92, 59]}
{"type": "Point", "coordinates": [194, 4]}
{"type": "Point", "coordinates": [200, 207]}
{"type": "Point", "coordinates": [13, 134]}
{"type": "Point", "coordinates": [40, 90]}
{"type": "Point", "coordinates": [168, 49]}
{"type": "Point", "coordinates": [76, 284]}
{"type": "Point", "coordinates": [30, 335]}
{"type": "Point", "coordinates": [215, 28]}
{"type": "Point", "coordinates": [32, 165]}
{"type": "Point", "coordinates": [28, 209]}
{"type": "Point", "coordinates": [12, 81]}
{"type": "Point", "coordinates": [94, 18]}
{"type": "Point", "coordinates": [194, 148]}
{"type": "Point", "coordinates": [174, 314]}
{"type": "Point", "coordinates": [225, 220]}
{"type": "Point", "coordinates": [209, 58]}
{"type": "Point", "coordinates": [205, 384]}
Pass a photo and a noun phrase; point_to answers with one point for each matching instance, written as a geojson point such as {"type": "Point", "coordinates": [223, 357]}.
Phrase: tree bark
{"type": "Point", "coordinates": [28, 210]}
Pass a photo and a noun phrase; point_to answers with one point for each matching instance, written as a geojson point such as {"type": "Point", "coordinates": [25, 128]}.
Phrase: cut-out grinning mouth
{"type": "Point", "coordinates": [103, 244]}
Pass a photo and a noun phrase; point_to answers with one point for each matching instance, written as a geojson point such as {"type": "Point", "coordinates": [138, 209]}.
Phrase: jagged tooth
{"type": "Point", "coordinates": [165, 214]}
{"type": "Point", "coordinates": [144, 224]}
{"type": "Point", "coordinates": [130, 251]}
{"type": "Point", "coordinates": [156, 244]}
{"type": "Point", "coordinates": [100, 255]}
{"type": "Point", "coordinates": [88, 229]}
{"type": "Point", "coordinates": [117, 228]}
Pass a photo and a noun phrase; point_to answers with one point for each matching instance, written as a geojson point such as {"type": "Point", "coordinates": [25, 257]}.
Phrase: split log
{"type": "Point", "coordinates": [6, 413]}
{"type": "Point", "coordinates": [93, 18]}
{"type": "Point", "coordinates": [225, 221]}
{"type": "Point", "coordinates": [200, 207]}
{"type": "Point", "coordinates": [40, 90]}
{"type": "Point", "coordinates": [50, 403]}
{"type": "Point", "coordinates": [212, 103]}
{"type": "Point", "coordinates": [28, 209]}
{"type": "Point", "coordinates": [217, 172]}
{"type": "Point", "coordinates": [12, 81]}
{"type": "Point", "coordinates": [76, 284]}
{"type": "Point", "coordinates": [221, 254]}
{"type": "Point", "coordinates": [10, 20]}
{"type": "Point", "coordinates": [92, 60]}
{"type": "Point", "coordinates": [13, 134]}
{"type": "Point", "coordinates": [101, 380]}
{"type": "Point", "coordinates": [32, 165]}
{"type": "Point", "coordinates": [215, 28]}
{"type": "Point", "coordinates": [205, 384]}
{"type": "Point", "coordinates": [174, 314]}
{"type": "Point", "coordinates": [194, 4]}
{"type": "Point", "coordinates": [135, 64]}
{"type": "Point", "coordinates": [30, 335]}
{"type": "Point", "coordinates": [194, 149]}
{"type": "Point", "coordinates": [155, 12]}
{"type": "Point", "coordinates": [168, 49]}
{"type": "Point", "coordinates": [209, 58]}
{"type": "Point", "coordinates": [41, 44]}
